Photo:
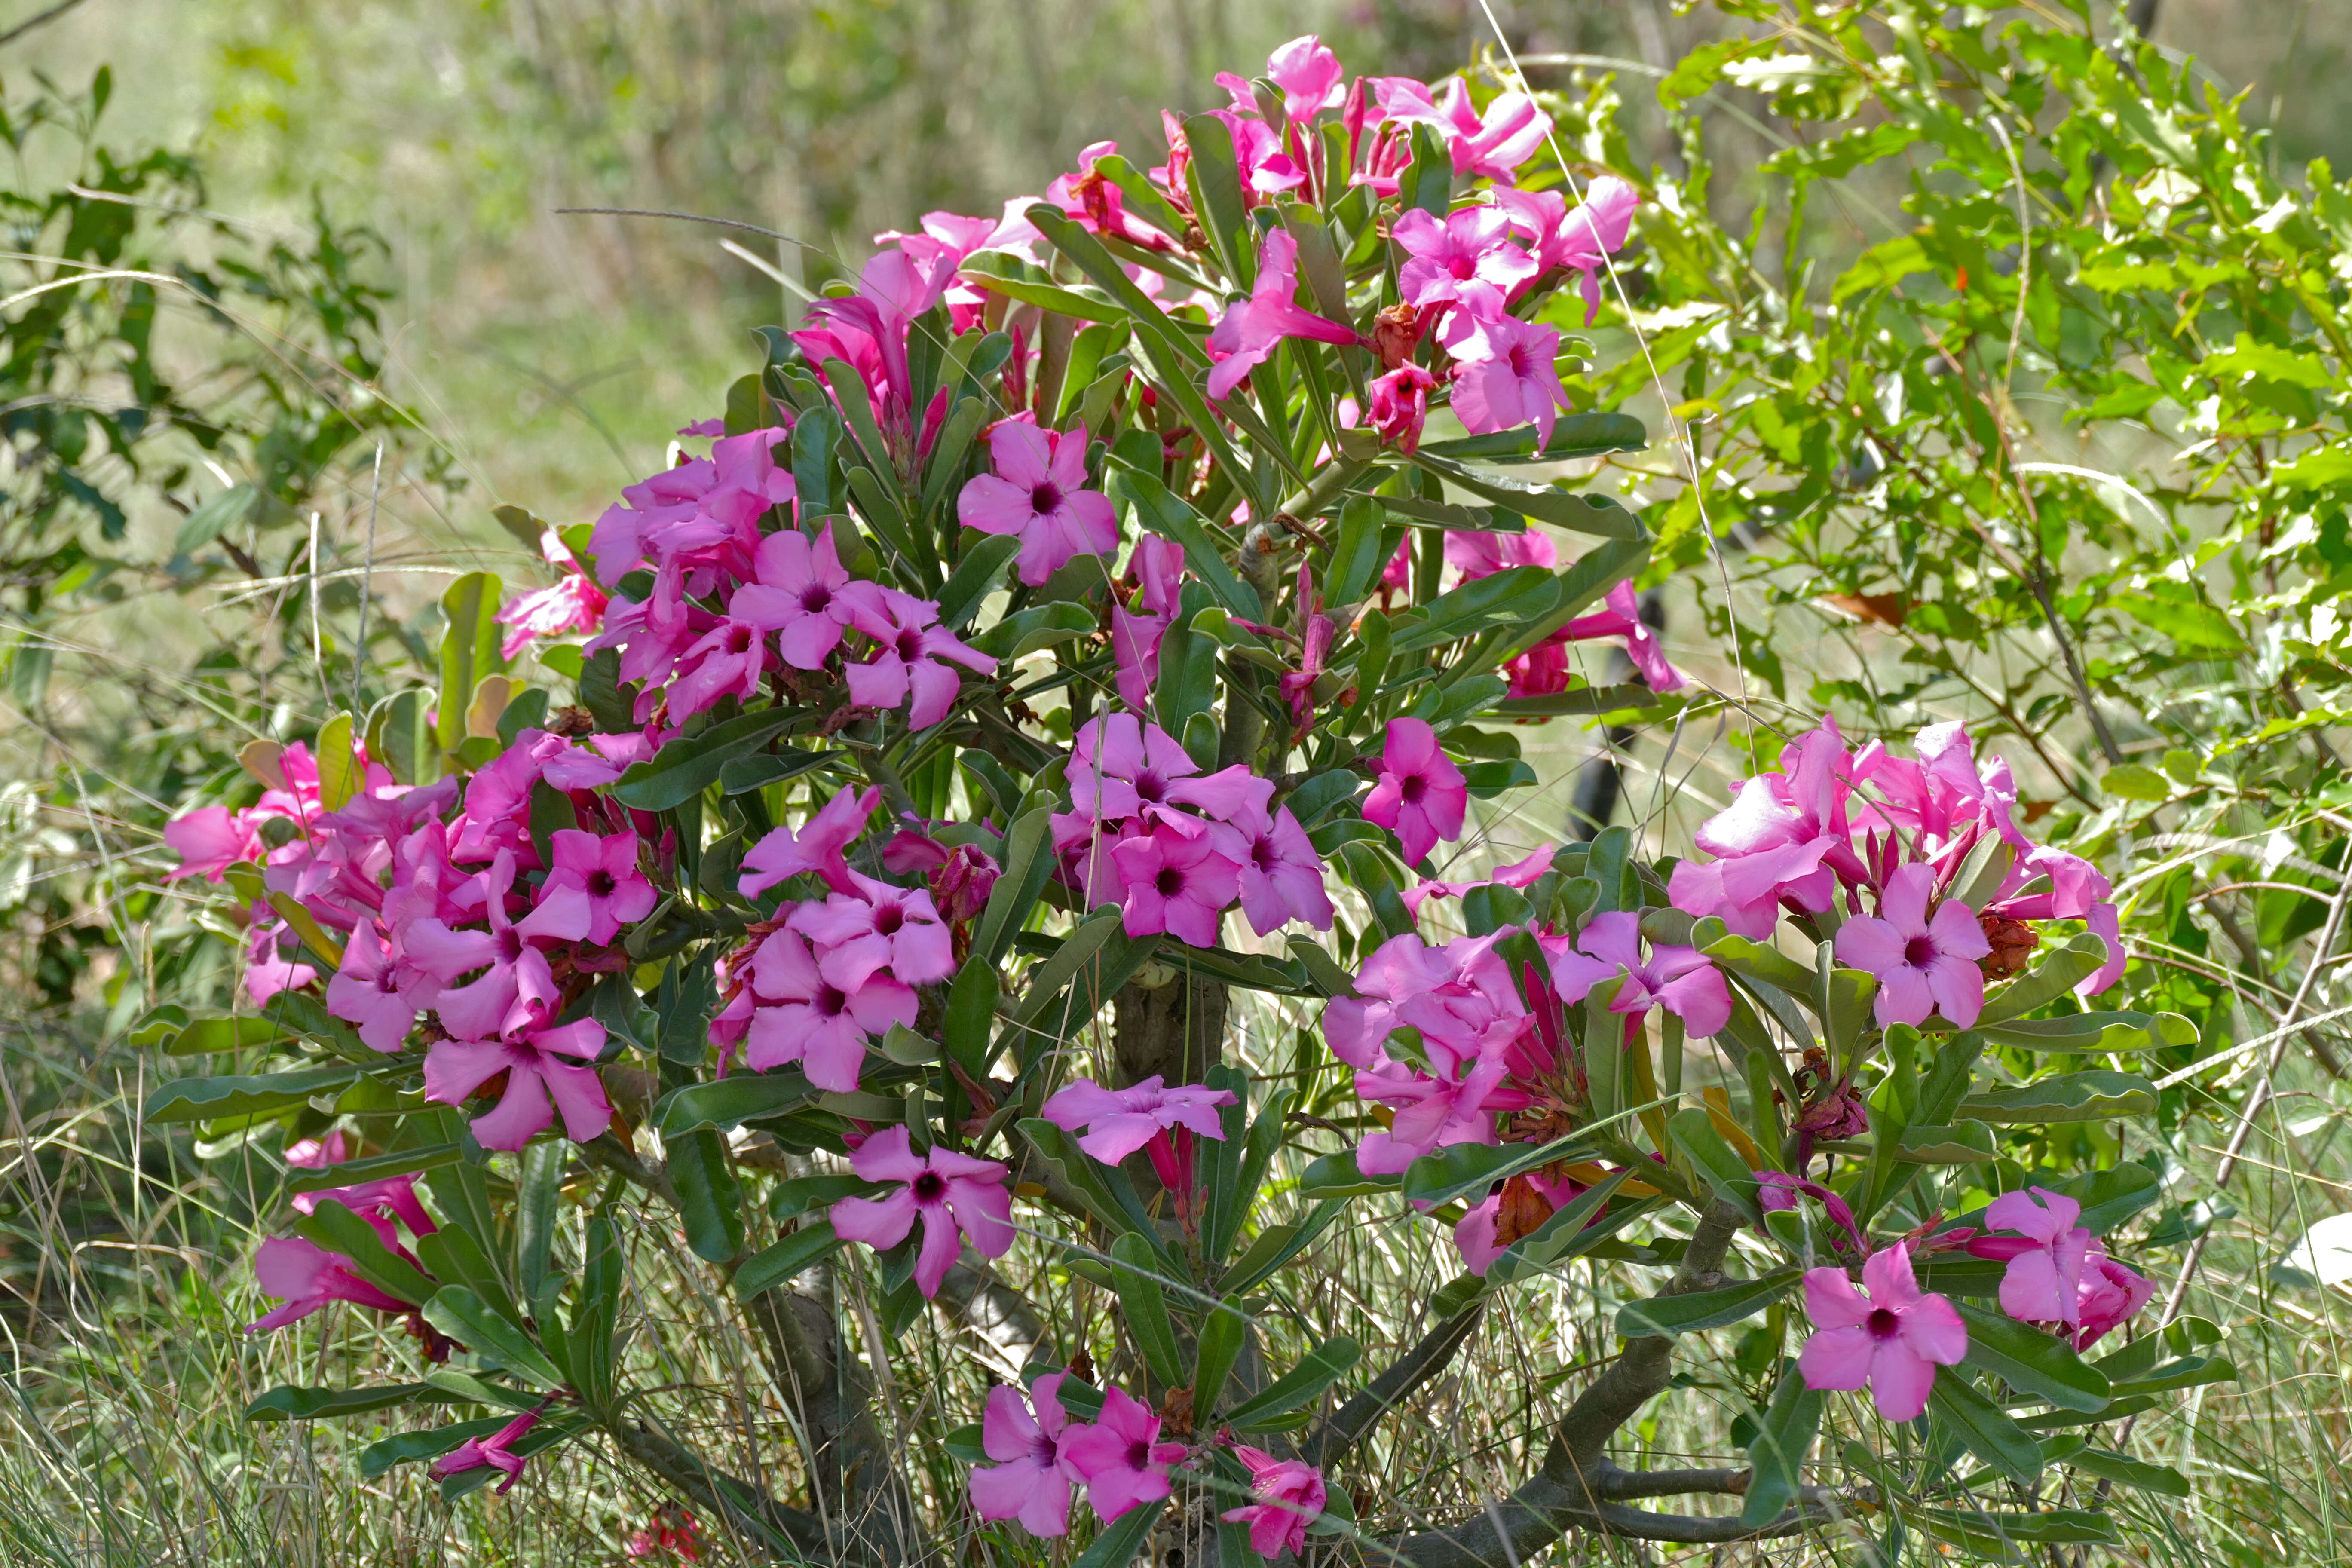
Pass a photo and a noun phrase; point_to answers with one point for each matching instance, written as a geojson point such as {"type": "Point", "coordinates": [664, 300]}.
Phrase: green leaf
{"type": "Point", "coordinates": [2111, 1196]}
{"type": "Point", "coordinates": [400, 1161]}
{"type": "Point", "coordinates": [976, 575]}
{"type": "Point", "coordinates": [1233, 1188]}
{"type": "Point", "coordinates": [1758, 962]}
{"type": "Point", "coordinates": [2187, 1372]}
{"type": "Point", "coordinates": [1717, 1164]}
{"type": "Point", "coordinates": [1597, 515]}
{"type": "Point", "coordinates": [460, 1314]}
{"type": "Point", "coordinates": [1223, 208]}
{"type": "Point", "coordinates": [1460, 1170]}
{"type": "Point", "coordinates": [1776, 1455]}
{"type": "Point", "coordinates": [1996, 1535]}
{"type": "Point", "coordinates": [539, 1185]}
{"type": "Point", "coordinates": [1889, 262]}
{"type": "Point", "coordinates": [2099, 1095]}
{"type": "Point", "coordinates": [971, 1014]}
{"type": "Point", "coordinates": [1317, 1371]}
{"type": "Point", "coordinates": [1569, 1233]}
{"type": "Point", "coordinates": [1038, 626]}
{"type": "Point", "coordinates": [729, 1102]}
{"type": "Point", "coordinates": [1573, 436]}
{"type": "Point", "coordinates": [2129, 781]}
{"type": "Point", "coordinates": [217, 1098]}
{"type": "Point", "coordinates": [2032, 1362]}
{"type": "Point", "coordinates": [338, 1229]}
{"type": "Point", "coordinates": [1122, 1540]}
{"type": "Point", "coordinates": [469, 650]}
{"type": "Point", "coordinates": [1143, 1307]}
{"type": "Point", "coordinates": [1336, 1177]}
{"type": "Point", "coordinates": [214, 516]}
{"type": "Point", "coordinates": [289, 1403]}
{"type": "Point", "coordinates": [406, 1447]}
{"type": "Point", "coordinates": [741, 775]}
{"type": "Point", "coordinates": [1503, 598]}
{"type": "Point", "coordinates": [1983, 1428]}
{"type": "Point", "coordinates": [691, 764]}
{"type": "Point", "coordinates": [1106, 1195]}
{"type": "Point", "coordinates": [1028, 861]}
{"type": "Point", "coordinates": [1171, 517]}
{"type": "Point", "coordinates": [1355, 559]}
{"type": "Point", "coordinates": [794, 1255]}
{"type": "Point", "coordinates": [1578, 699]}
{"type": "Point", "coordinates": [1663, 1316]}
{"type": "Point", "coordinates": [1225, 1327]}
{"type": "Point", "coordinates": [1017, 279]}
{"type": "Point", "coordinates": [2124, 1470]}
{"type": "Point", "coordinates": [454, 1257]}
{"type": "Point", "coordinates": [710, 1199]}
{"type": "Point", "coordinates": [2081, 1034]}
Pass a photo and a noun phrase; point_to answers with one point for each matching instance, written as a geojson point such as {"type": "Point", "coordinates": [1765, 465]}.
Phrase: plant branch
{"type": "Point", "coordinates": [1349, 1423]}
{"type": "Point", "coordinates": [745, 1508]}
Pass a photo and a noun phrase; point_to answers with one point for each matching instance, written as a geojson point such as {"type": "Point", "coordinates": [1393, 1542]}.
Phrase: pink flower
{"type": "Point", "coordinates": [318, 1153]}
{"type": "Point", "coordinates": [212, 838]}
{"type": "Point", "coordinates": [1459, 996]}
{"type": "Point", "coordinates": [536, 1071]}
{"type": "Point", "coordinates": [1924, 966]}
{"type": "Point", "coordinates": [817, 847]}
{"type": "Point", "coordinates": [2111, 1295]}
{"type": "Point", "coordinates": [1281, 869]}
{"type": "Point", "coordinates": [1595, 231]}
{"type": "Point", "coordinates": [573, 604]}
{"type": "Point", "coordinates": [1290, 1497]}
{"type": "Point", "coordinates": [909, 647]}
{"type": "Point", "coordinates": [1466, 259]}
{"type": "Point", "coordinates": [1890, 1340]}
{"type": "Point", "coordinates": [672, 1528]}
{"type": "Point", "coordinates": [1679, 979]}
{"type": "Point", "coordinates": [1621, 616]}
{"type": "Point", "coordinates": [380, 1203]}
{"type": "Point", "coordinates": [1122, 766]}
{"type": "Point", "coordinates": [1522, 873]}
{"type": "Point", "coordinates": [1420, 794]}
{"type": "Point", "coordinates": [306, 1277]}
{"type": "Point", "coordinates": [1030, 1481]}
{"type": "Point", "coordinates": [960, 888]}
{"type": "Point", "coordinates": [1158, 566]}
{"type": "Point", "coordinates": [1489, 145]}
{"type": "Point", "coordinates": [1038, 491]}
{"type": "Point", "coordinates": [1121, 1456]}
{"type": "Point", "coordinates": [2043, 1282]}
{"type": "Point", "coordinates": [1505, 375]}
{"type": "Point", "coordinates": [376, 994]}
{"type": "Point", "coordinates": [1777, 1193]}
{"type": "Point", "coordinates": [807, 1015]}
{"type": "Point", "coordinates": [1399, 406]}
{"type": "Point", "coordinates": [803, 594]}
{"type": "Point", "coordinates": [1783, 838]}
{"type": "Point", "coordinates": [728, 660]}
{"type": "Point", "coordinates": [516, 992]}
{"type": "Point", "coordinates": [1250, 329]}
{"type": "Point", "coordinates": [494, 1452]}
{"type": "Point", "coordinates": [953, 1195]}
{"type": "Point", "coordinates": [1118, 1121]}
{"type": "Point", "coordinates": [592, 889]}
{"type": "Point", "coordinates": [1308, 74]}
{"type": "Point", "coordinates": [878, 927]}
{"type": "Point", "coordinates": [1173, 883]}
{"type": "Point", "coordinates": [1476, 555]}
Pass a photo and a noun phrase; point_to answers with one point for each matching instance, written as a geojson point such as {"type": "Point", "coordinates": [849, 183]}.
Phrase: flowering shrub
{"type": "Point", "coordinates": [1072, 591]}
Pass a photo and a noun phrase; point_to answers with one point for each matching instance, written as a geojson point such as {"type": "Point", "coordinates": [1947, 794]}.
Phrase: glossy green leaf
{"type": "Point", "coordinates": [338, 1229]}
{"type": "Point", "coordinates": [787, 1259]}
{"type": "Point", "coordinates": [1222, 1330]}
{"type": "Point", "coordinates": [1143, 1307]}
{"type": "Point", "coordinates": [729, 1102]}
{"type": "Point", "coordinates": [406, 1448]}
{"type": "Point", "coordinates": [1465, 1170]}
{"type": "Point", "coordinates": [1983, 1428]}
{"type": "Point", "coordinates": [2040, 1365]}
{"type": "Point", "coordinates": [2096, 1095]}
{"type": "Point", "coordinates": [2056, 975]}
{"type": "Point", "coordinates": [469, 650]}
{"type": "Point", "coordinates": [710, 1199]}
{"type": "Point", "coordinates": [1697, 1310]}
{"type": "Point", "coordinates": [692, 763]}
{"type": "Point", "coordinates": [1317, 1371]}
{"type": "Point", "coordinates": [289, 1403]}
{"type": "Point", "coordinates": [217, 1098]}
{"type": "Point", "coordinates": [1776, 1455]}
{"type": "Point", "coordinates": [460, 1314]}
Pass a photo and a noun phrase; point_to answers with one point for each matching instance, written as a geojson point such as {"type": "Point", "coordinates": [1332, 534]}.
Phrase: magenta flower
{"type": "Point", "coordinates": [1595, 231]}
{"type": "Point", "coordinates": [1439, 986]}
{"type": "Point", "coordinates": [960, 888]}
{"type": "Point", "coordinates": [318, 1153]}
{"type": "Point", "coordinates": [592, 889]}
{"type": "Point", "coordinates": [1031, 1481]}
{"type": "Point", "coordinates": [2110, 1297]}
{"type": "Point", "coordinates": [539, 1066]}
{"type": "Point", "coordinates": [809, 1017]}
{"type": "Point", "coordinates": [1420, 794]}
{"type": "Point", "coordinates": [1158, 566]}
{"type": "Point", "coordinates": [2043, 1283]}
{"type": "Point", "coordinates": [1290, 1497]}
{"type": "Point", "coordinates": [1679, 979]}
{"type": "Point", "coordinates": [1621, 616]}
{"type": "Point", "coordinates": [1173, 883]}
{"type": "Point", "coordinates": [212, 838]}
{"type": "Point", "coordinates": [1924, 966]}
{"type": "Point", "coordinates": [817, 846]}
{"type": "Point", "coordinates": [1308, 74]}
{"type": "Point", "coordinates": [729, 661]}
{"type": "Point", "coordinates": [1281, 869]}
{"type": "Point", "coordinates": [878, 927]}
{"type": "Point", "coordinates": [1038, 491]}
{"type": "Point", "coordinates": [1250, 329]}
{"type": "Point", "coordinates": [1434, 1113]}
{"type": "Point", "coordinates": [1505, 374]}
{"type": "Point", "coordinates": [517, 992]}
{"type": "Point", "coordinates": [1121, 1456]}
{"type": "Point", "coordinates": [953, 1194]}
{"type": "Point", "coordinates": [1777, 1193]}
{"type": "Point", "coordinates": [1466, 259]}
{"type": "Point", "coordinates": [376, 994]}
{"type": "Point", "coordinates": [573, 604]}
{"type": "Point", "coordinates": [1890, 1340]}
{"type": "Point", "coordinates": [803, 594]}
{"type": "Point", "coordinates": [1783, 838]}
{"type": "Point", "coordinates": [380, 1203]}
{"type": "Point", "coordinates": [910, 648]}
{"type": "Point", "coordinates": [306, 1277]}
{"type": "Point", "coordinates": [495, 1452]}
{"type": "Point", "coordinates": [1400, 407]}
{"type": "Point", "coordinates": [1122, 766]}
{"type": "Point", "coordinates": [1491, 145]}
{"type": "Point", "coordinates": [1118, 1121]}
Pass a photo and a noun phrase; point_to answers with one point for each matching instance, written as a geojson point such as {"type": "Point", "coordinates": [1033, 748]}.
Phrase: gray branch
{"type": "Point", "coordinates": [742, 1506]}
{"type": "Point", "coordinates": [1349, 1423]}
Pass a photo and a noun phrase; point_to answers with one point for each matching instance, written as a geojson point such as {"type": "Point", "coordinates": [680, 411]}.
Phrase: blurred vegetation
{"type": "Point", "coordinates": [347, 214]}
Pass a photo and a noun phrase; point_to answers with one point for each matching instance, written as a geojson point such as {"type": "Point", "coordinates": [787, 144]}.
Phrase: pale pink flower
{"type": "Point", "coordinates": [494, 1452]}
{"type": "Point", "coordinates": [1116, 1122]}
{"type": "Point", "coordinates": [1479, 554]}
{"type": "Point", "coordinates": [878, 927]}
{"type": "Point", "coordinates": [1489, 145]}
{"type": "Point", "coordinates": [540, 1066]}
{"type": "Point", "coordinates": [306, 1277]}
{"type": "Point", "coordinates": [1030, 1482]}
{"type": "Point", "coordinates": [1595, 231]}
{"type": "Point", "coordinates": [816, 846]}
{"type": "Point", "coordinates": [1121, 1456]}
{"type": "Point", "coordinates": [318, 1153]}
{"type": "Point", "coordinates": [1679, 979]}
{"type": "Point", "coordinates": [573, 604]}
{"type": "Point", "coordinates": [1784, 839]}
{"type": "Point", "coordinates": [2043, 1282]}
{"type": "Point", "coordinates": [2110, 1297]}
{"type": "Point", "coordinates": [1890, 1340]}
{"type": "Point", "coordinates": [803, 594]}
{"type": "Point", "coordinates": [1309, 76]}
{"type": "Point", "coordinates": [1038, 491]}
{"type": "Point", "coordinates": [1420, 795]}
{"type": "Point", "coordinates": [1505, 374]}
{"type": "Point", "coordinates": [1290, 1497]}
{"type": "Point", "coordinates": [806, 1017]}
{"type": "Point", "coordinates": [1174, 883]}
{"type": "Point", "coordinates": [1434, 1112]}
{"type": "Point", "coordinates": [1281, 869]}
{"type": "Point", "coordinates": [1466, 259]}
{"type": "Point", "coordinates": [1122, 766]}
{"type": "Point", "coordinates": [1251, 329]}
{"type": "Point", "coordinates": [592, 889]}
{"type": "Point", "coordinates": [1923, 965]}
{"type": "Point", "coordinates": [953, 1194]}
{"type": "Point", "coordinates": [909, 654]}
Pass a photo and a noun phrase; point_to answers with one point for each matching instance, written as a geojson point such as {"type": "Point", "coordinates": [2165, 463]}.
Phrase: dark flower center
{"type": "Point", "coordinates": [1262, 852]}
{"type": "Point", "coordinates": [909, 645]}
{"type": "Point", "coordinates": [828, 1001]}
{"type": "Point", "coordinates": [888, 919]}
{"type": "Point", "coordinates": [1919, 951]}
{"type": "Point", "coordinates": [930, 1187]}
{"type": "Point", "coordinates": [740, 639]}
{"type": "Point", "coordinates": [601, 885]}
{"type": "Point", "coordinates": [1169, 883]}
{"type": "Point", "coordinates": [386, 982]}
{"type": "Point", "coordinates": [816, 598]}
{"type": "Point", "coordinates": [1150, 786]}
{"type": "Point", "coordinates": [509, 945]}
{"type": "Point", "coordinates": [1521, 363]}
{"type": "Point", "coordinates": [1412, 788]}
{"type": "Point", "coordinates": [1045, 498]}
{"type": "Point", "coordinates": [1463, 266]}
{"type": "Point", "coordinates": [1046, 1450]}
{"type": "Point", "coordinates": [1138, 1455]}
{"type": "Point", "coordinates": [1882, 1323]}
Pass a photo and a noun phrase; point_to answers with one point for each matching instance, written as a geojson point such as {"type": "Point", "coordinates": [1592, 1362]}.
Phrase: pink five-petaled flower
{"type": "Point", "coordinates": [1595, 231]}
{"type": "Point", "coordinates": [811, 1017]}
{"type": "Point", "coordinates": [1421, 795]}
{"type": "Point", "coordinates": [518, 988]}
{"type": "Point", "coordinates": [1158, 566]}
{"type": "Point", "coordinates": [1290, 1497]}
{"type": "Point", "coordinates": [1030, 1481]}
{"type": "Point", "coordinates": [2046, 1257]}
{"type": "Point", "coordinates": [376, 993]}
{"type": "Point", "coordinates": [952, 1193]}
{"type": "Point", "coordinates": [909, 647]}
{"type": "Point", "coordinates": [306, 1277]}
{"type": "Point", "coordinates": [1924, 966]}
{"type": "Point", "coordinates": [816, 846]}
{"type": "Point", "coordinates": [1505, 375]}
{"type": "Point", "coordinates": [1400, 407]}
{"type": "Point", "coordinates": [494, 1452]}
{"type": "Point", "coordinates": [1174, 883]}
{"type": "Point", "coordinates": [1281, 869]}
{"type": "Point", "coordinates": [1466, 259]}
{"type": "Point", "coordinates": [536, 1072]}
{"type": "Point", "coordinates": [728, 660]}
{"type": "Point", "coordinates": [1621, 616]}
{"type": "Point", "coordinates": [1038, 491]}
{"type": "Point", "coordinates": [2111, 1295]}
{"type": "Point", "coordinates": [592, 889]}
{"type": "Point", "coordinates": [212, 838]}
{"type": "Point", "coordinates": [803, 594]}
{"type": "Point", "coordinates": [1118, 1121]}
{"type": "Point", "coordinates": [1120, 1456]}
{"type": "Point", "coordinates": [878, 927]}
{"type": "Point", "coordinates": [1308, 74]}
{"type": "Point", "coordinates": [1891, 1340]}
{"type": "Point", "coordinates": [1251, 329]}
{"type": "Point", "coordinates": [1679, 979]}
{"type": "Point", "coordinates": [1122, 766]}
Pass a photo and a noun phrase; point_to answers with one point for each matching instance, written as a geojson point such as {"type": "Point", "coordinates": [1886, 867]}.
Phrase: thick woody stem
{"type": "Point", "coordinates": [785, 1530]}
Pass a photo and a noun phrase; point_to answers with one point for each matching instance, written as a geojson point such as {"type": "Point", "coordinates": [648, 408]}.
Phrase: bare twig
{"type": "Point", "coordinates": [38, 19]}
